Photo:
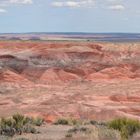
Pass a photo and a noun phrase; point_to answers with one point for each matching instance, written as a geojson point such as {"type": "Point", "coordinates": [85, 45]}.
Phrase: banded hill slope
{"type": "Point", "coordinates": [77, 79]}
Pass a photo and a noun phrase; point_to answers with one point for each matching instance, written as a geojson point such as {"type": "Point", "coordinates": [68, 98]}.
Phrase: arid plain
{"type": "Point", "coordinates": [79, 79]}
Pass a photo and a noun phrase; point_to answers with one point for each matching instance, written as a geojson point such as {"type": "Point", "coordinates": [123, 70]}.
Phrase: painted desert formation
{"type": "Point", "coordinates": [83, 80]}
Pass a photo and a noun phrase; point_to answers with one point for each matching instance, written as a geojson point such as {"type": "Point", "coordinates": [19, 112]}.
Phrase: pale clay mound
{"type": "Point", "coordinates": [70, 79]}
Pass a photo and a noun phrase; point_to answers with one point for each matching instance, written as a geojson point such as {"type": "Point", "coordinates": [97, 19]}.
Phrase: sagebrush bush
{"type": "Point", "coordinates": [70, 121]}
{"type": "Point", "coordinates": [79, 129]}
{"type": "Point", "coordinates": [21, 139]}
{"type": "Point", "coordinates": [68, 135]}
{"type": "Point", "coordinates": [37, 121]}
{"type": "Point", "coordinates": [18, 124]}
{"type": "Point", "coordinates": [28, 128]}
{"type": "Point", "coordinates": [127, 127]}
{"type": "Point", "coordinates": [93, 122]}
{"type": "Point", "coordinates": [7, 127]}
{"type": "Point", "coordinates": [62, 122]}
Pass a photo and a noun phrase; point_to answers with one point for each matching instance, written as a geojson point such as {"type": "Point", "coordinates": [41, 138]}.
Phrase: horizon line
{"type": "Point", "coordinates": [70, 32]}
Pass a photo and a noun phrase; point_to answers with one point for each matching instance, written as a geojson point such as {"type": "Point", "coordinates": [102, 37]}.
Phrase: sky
{"type": "Point", "coordinates": [96, 16]}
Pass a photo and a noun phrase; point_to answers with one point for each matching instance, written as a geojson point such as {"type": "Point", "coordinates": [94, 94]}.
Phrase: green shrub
{"type": "Point", "coordinates": [18, 118]}
{"type": "Point", "coordinates": [84, 129]}
{"type": "Point", "coordinates": [29, 129]}
{"type": "Point", "coordinates": [75, 122]}
{"type": "Point", "coordinates": [69, 121]}
{"type": "Point", "coordinates": [28, 120]}
{"type": "Point", "coordinates": [62, 122]}
{"type": "Point", "coordinates": [93, 122]}
{"type": "Point", "coordinates": [7, 127]}
{"type": "Point", "coordinates": [19, 124]}
{"type": "Point", "coordinates": [6, 122]}
{"type": "Point", "coordinates": [73, 130]}
{"type": "Point", "coordinates": [68, 135]}
{"type": "Point", "coordinates": [127, 127]}
{"type": "Point", "coordinates": [79, 129]}
{"type": "Point", "coordinates": [37, 121]}
{"type": "Point", "coordinates": [21, 139]}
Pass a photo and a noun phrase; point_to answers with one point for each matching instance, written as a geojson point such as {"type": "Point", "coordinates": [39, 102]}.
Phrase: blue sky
{"type": "Point", "coordinates": [69, 16]}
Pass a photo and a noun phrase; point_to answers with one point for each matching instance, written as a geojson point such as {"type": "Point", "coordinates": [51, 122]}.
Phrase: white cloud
{"type": "Point", "coordinates": [116, 7]}
{"type": "Point", "coordinates": [115, 1]}
{"type": "Point", "coordinates": [105, 4]}
{"type": "Point", "coordinates": [66, 4]}
{"type": "Point", "coordinates": [2, 10]}
{"type": "Point", "coordinates": [73, 3]}
{"type": "Point", "coordinates": [21, 1]}
{"type": "Point", "coordinates": [7, 3]}
{"type": "Point", "coordinates": [112, 0]}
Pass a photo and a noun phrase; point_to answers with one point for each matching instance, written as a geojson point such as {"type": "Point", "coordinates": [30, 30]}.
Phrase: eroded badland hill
{"type": "Point", "coordinates": [98, 81]}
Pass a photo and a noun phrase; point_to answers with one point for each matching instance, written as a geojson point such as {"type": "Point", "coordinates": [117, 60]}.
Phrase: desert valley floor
{"type": "Point", "coordinates": [86, 80]}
